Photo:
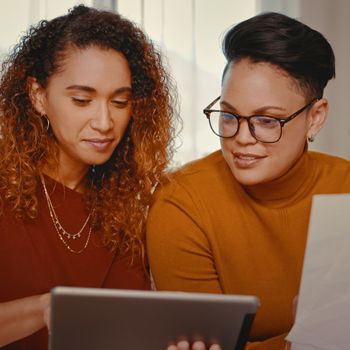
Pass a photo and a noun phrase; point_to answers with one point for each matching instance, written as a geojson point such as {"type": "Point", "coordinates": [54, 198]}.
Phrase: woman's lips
{"type": "Point", "coordinates": [99, 144]}
{"type": "Point", "coordinates": [246, 160]}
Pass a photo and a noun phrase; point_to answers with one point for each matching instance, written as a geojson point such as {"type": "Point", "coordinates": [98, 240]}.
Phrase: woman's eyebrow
{"type": "Point", "coordinates": [262, 109]}
{"type": "Point", "coordinates": [87, 88]}
{"type": "Point", "coordinates": [81, 88]}
{"type": "Point", "coordinates": [122, 90]}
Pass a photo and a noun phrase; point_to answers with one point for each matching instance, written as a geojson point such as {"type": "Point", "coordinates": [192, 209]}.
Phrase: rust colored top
{"type": "Point", "coordinates": [208, 233]}
{"type": "Point", "coordinates": [33, 259]}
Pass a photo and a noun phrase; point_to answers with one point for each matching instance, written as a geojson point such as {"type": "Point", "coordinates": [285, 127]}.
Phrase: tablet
{"type": "Point", "coordinates": [106, 319]}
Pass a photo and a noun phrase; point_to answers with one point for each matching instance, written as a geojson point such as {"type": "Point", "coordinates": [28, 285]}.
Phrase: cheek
{"type": "Point", "coordinates": [286, 152]}
{"type": "Point", "coordinates": [295, 131]}
{"type": "Point", "coordinates": [122, 121]}
{"type": "Point", "coordinates": [68, 128]}
{"type": "Point", "coordinates": [60, 115]}
{"type": "Point", "coordinates": [293, 138]}
{"type": "Point", "coordinates": [226, 149]}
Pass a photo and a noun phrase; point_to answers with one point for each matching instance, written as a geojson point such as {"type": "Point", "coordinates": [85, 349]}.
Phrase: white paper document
{"type": "Point", "coordinates": [323, 313]}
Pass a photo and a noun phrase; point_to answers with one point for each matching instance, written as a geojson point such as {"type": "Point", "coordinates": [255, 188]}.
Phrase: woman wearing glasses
{"type": "Point", "coordinates": [236, 221]}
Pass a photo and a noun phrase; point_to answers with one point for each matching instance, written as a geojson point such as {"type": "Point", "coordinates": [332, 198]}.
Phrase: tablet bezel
{"type": "Point", "coordinates": [104, 319]}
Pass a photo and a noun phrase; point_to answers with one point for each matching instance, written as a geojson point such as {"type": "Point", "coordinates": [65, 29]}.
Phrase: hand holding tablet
{"type": "Point", "coordinates": [183, 345]}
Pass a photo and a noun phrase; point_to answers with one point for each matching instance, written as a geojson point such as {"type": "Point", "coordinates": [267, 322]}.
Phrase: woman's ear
{"type": "Point", "coordinates": [36, 95]}
{"type": "Point", "coordinates": [317, 117]}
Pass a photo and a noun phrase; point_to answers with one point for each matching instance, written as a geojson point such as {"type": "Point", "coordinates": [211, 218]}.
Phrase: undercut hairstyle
{"type": "Point", "coordinates": [287, 44]}
{"type": "Point", "coordinates": [118, 192]}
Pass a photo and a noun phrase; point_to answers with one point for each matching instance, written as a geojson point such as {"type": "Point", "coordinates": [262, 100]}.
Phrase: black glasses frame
{"type": "Point", "coordinates": [283, 121]}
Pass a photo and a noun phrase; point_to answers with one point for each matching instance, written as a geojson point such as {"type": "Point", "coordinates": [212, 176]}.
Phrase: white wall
{"type": "Point", "coordinates": [331, 18]}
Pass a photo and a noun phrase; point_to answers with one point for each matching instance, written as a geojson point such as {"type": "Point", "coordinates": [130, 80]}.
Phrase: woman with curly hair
{"type": "Point", "coordinates": [87, 122]}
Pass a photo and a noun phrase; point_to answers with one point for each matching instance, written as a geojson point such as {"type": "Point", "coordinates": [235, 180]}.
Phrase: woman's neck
{"type": "Point", "coordinates": [75, 179]}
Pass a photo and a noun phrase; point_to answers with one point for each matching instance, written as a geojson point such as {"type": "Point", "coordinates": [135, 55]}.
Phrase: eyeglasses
{"type": "Point", "coordinates": [263, 128]}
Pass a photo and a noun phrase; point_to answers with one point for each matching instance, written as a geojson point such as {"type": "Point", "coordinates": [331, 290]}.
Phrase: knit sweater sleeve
{"type": "Point", "coordinates": [275, 343]}
{"type": "Point", "coordinates": [178, 249]}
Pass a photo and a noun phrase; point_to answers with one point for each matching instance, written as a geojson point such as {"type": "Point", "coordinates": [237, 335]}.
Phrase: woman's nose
{"type": "Point", "coordinates": [102, 120]}
{"type": "Point", "coordinates": [244, 134]}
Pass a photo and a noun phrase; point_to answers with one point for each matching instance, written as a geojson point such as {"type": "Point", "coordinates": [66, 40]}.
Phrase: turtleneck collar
{"type": "Point", "coordinates": [286, 189]}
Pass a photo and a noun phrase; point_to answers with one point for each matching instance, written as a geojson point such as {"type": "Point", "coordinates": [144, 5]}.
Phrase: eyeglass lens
{"type": "Point", "coordinates": [263, 128]}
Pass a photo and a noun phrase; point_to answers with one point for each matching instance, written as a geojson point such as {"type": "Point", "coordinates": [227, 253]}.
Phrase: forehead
{"type": "Point", "coordinates": [92, 66]}
{"type": "Point", "coordinates": [259, 84]}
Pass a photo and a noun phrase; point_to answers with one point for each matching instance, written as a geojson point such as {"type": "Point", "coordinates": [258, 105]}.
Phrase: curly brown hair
{"type": "Point", "coordinates": [119, 191]}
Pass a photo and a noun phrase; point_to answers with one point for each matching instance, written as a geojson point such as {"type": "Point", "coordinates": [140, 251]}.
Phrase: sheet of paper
{"type": "Point", "coordinates": [296, 346]}
{"type": "Point", "coordinates": [323, 314]}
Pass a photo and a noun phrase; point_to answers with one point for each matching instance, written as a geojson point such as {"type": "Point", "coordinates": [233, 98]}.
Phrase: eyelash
{"type": "Point", "coordinates": [81, 102]}
{"type": "Point", "coordinates": [120, 104]}
{"type": "Point", "coordinates": [116, 103]}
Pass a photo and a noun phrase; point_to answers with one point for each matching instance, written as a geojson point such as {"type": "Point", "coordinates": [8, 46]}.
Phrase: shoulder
{"type": "Point", "coordinates": [200, 167]}
{"type": "Point", "coordinates": [195, 182]}
{"type": "Point", "coordinates": [331, 171]}
{"type": "Point", "coordinates": [207, 172]}
{"type": "Point", "coordinates": [5, 211]}
{"type": "Point", "coordinates": [194, 190]}
{"type": "Point", "coordinates": [8, 220]}
{"type": "Point", "coordinates": [326, 161]}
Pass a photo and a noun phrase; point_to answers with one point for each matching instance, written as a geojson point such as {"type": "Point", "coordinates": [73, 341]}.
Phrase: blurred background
{"type": "Point", "coordinates": [189, 34]}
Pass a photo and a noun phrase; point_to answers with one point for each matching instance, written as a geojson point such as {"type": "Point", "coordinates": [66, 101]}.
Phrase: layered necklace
{"type": "Point", "coordinates": [64, 235]}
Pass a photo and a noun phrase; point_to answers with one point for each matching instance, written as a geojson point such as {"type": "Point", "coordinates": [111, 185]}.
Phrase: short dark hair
{"type": "Point", "coordinates": [286, 43]}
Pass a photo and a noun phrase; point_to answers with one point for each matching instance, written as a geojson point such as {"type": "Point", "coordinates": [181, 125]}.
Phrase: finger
{"type": "Point", "coordinates": [47, 317]}
{"type": "Point", "coordinates": [183, 345]}
{"type": "Point", "coordinates": [198, 345]}
{"type": "Point", "coordinates": [45, 300]}
{"type": "Point", "coordinates": [215, 347]}
{"type": "Point", "coordinates": [171, 347]}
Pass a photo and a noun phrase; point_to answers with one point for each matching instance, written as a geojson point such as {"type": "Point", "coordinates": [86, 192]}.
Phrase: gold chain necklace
{"type": "Point", "coordinates": [62, 233]}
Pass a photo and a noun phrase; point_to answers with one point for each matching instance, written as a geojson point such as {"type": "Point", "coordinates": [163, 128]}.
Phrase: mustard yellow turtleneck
{"type": "Point", "coordinates": [208, 233]}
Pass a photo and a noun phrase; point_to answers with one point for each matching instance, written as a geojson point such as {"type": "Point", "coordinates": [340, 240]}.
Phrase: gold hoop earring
{"type": "Point", "coordinates": [47, 121]}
